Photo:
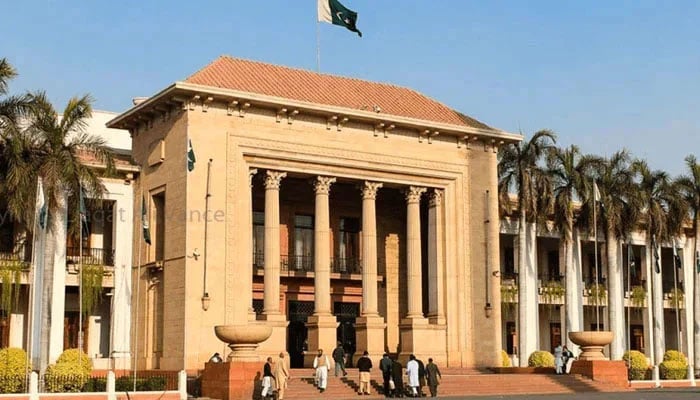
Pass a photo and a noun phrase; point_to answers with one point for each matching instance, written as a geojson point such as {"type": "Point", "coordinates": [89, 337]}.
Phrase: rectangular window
{"type": "Point", "coordinates": [71, 330]}
{"type": "Point", "coordinates": [508, 263]}
{"type": "Point", "coordinates": [553, 266]}
{"type": "Point", "coordinates": [258, 238]}
{"type": "Point", "coordinates": [348, 259]}
{"type": "Point", "coordinates": [159, 228]}
{"type": "Point", "coordinates": [303, 243]}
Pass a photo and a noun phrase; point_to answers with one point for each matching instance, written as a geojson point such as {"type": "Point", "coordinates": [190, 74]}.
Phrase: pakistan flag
{"type": "Point", "coordinates": [333, 12]}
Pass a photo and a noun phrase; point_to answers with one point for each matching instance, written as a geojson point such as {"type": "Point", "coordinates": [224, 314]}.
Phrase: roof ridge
{"type": "Point", "coordinates": [301, 69]}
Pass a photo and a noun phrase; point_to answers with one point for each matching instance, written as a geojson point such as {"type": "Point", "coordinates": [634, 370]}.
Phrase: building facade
{"type": "Point", "coordinates": [656, 297]}
{"type": "Point", "coordinates": [328, 208]}
{"type": "Point", "coordinates": [105, 249]}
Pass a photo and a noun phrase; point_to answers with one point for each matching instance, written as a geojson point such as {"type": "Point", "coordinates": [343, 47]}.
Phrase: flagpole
{"type": "Point", "coordinates": [595, 236]}
{"type": "Point", "coordinates": [318, 46]}
{"type": "Point", "coordinates": [138, 289]}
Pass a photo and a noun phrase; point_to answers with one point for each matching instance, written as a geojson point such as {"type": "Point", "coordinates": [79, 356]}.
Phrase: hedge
{"type": "Point", "coordinates": [541, 358]}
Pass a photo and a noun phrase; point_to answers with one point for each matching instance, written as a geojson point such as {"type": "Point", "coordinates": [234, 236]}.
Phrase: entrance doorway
{"type": "Point", "coordinates": [297, 333]}
{"type": "Point", "coordinates": [637, 338]}
{"type": "Point", "coordinates": [511, 338]}
{"type": "Point", "coordinates": [554, 334]}
{"type": "Point", "coordinates": [346, 313]}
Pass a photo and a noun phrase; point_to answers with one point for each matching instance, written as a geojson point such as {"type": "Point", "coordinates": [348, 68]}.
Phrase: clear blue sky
{"type": "Point", "coordinates": [602, 74]}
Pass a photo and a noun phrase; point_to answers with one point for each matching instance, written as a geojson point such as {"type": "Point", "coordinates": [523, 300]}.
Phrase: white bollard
{"type": "Point", "coordinates": [111, 386]}
{"type": "Point", "coordinates": [33, 386]}
{"type": "Point", "coordinates": [691, 375]}
{"type": "Point", "coordinates": [182, 384]}
{"type": "Point", "coordinates": [655, 376]}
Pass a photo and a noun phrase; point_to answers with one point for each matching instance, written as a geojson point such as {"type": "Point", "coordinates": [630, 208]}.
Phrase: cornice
{"type": "Point", "coordinates": [187, 95]}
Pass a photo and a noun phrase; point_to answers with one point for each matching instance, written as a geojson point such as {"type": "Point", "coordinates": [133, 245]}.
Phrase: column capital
{"type": "Point", "coordinates": [369, 190]}
{"type": "Point", "coordinates": [413, 194]}
{"type": "Point", "coordinates": [322, 184]}
{"type": "Point", "coordinates": [436, 197]}
{"type": "Point", "coordinates": [273, 179]}
{"type": "Point", "coordinates": [251, 174]}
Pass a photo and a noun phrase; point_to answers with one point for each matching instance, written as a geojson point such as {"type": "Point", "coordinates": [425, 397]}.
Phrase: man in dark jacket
{"type": "Point", "coordinates": [433, 373]}
{"type": "Point", "coordinates": [397, 377]}
{"type": "Point", "coordinates": [421, 377]}
{"type": "Point", "coordinates": [364, 364]}
{"type": "Point", "coordinates": [385, 367]}
{"type": "Point", "coordinates": [267, 379]}
{"type": "Point", "coordinates": [339, 358]}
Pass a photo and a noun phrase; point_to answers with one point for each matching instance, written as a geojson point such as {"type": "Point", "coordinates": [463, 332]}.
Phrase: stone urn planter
{"type": "Point", "coordinates": [591, 343]}
{"type": "Point", "coordinates": [243, 339]}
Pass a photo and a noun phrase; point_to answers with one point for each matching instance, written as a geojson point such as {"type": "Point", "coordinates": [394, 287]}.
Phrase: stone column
{"type": "Point", "coordinates": [322, 324]}
{"type": "Point", "coordinates": [417, 337]}
{"type": "Point", "coordinates": [249, 282]}
{"type": "Point", "coordinates": [413, 249]}
{"type": "Point", "coordinates": [370, 325]}
{"type": "Point", "coordinates": [436, 247]}
{"type": "Point", "coordinates": [272, 244]}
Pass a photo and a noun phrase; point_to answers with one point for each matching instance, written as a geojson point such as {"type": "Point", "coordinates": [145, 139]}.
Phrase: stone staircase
{"type": "Point", "coordinates": [455, 382]}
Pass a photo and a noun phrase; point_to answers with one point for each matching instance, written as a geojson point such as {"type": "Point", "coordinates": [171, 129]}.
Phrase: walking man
{"type": "Point", "coordinates": [339, 359]}
{"type": "Point", "coordinates": [364, 364]}
{"type": "Point", "coordinates": [397, 378]}
{"type": "Point", "coordinates": [434, 376]}
{"type": "Point", "coordinates": [412, 373]}
{"type": "Point", "coordinates": [281, 376]}
{"type": "Point", "coordinates": [267, 379]}
{"type": "Point", "coordinates": [322, 364]}
{"type": "Point", "coordinates": [385, 367]}
{"type": "Point", "coordinates": [421, 377]}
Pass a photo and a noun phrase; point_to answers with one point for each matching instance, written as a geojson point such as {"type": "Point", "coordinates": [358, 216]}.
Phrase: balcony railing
{"type": "Point", "coordinates": [295, 263]}
{"type": "Point", "coordinates": [90, 256]}
{"type": "Point", "coordinates": [346, 265]}
{"type": "Point", "coordinates": [15, 256]}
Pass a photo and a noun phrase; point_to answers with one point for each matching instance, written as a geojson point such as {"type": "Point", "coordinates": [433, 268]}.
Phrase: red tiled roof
{"type": "Point", "coordinates": [301, 85]}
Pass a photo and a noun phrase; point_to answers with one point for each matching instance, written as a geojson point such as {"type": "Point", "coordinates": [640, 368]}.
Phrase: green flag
{"type": "Point", "coordinates": [191, 159]}
{"type": "Point", "coordinates": [333, 12]}
{"type": "Point", "coordinates": [144, 222]}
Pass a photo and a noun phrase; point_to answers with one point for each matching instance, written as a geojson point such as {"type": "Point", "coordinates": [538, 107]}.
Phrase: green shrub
{"type": "Point", "coordinates": [637, 365]}
{"type": "Point", "coordinates": [505, 360]}
{"type": "Point", "coordinates": [675, 355]}
{"type": "Point", "coordinates": [541, 358]}
{"type": "Point", "coordinates": [13, 370]}
{"type": "Point", "coordinates": [70, 373]}
{"type": "Point", "coordinates": [673, 370]}
{"type": "Point", "coordinates": [126, 384]}
{"type": "Point", "coordinates": [95, 385]}
{"type": "Point", "coordinates": [75, 356]}
{"type": "Point", "coordinates": [674, 366]}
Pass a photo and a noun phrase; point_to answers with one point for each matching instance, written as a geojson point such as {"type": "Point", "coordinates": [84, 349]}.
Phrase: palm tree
{"type": "Point", "coordinates": [60, 142]}
{"type": "Point", "coordinates": [658, 198]}
{"type": "Point", "coordinates": [12, 108]}
{"type": "Point", "coordinates": [690, 188]}
{"type": "Point", "coordinates": [519, 170]}
{"type": "Point", "coordinates": [571, 174]}
{"type": "Point", "coordinates": [619, 215]}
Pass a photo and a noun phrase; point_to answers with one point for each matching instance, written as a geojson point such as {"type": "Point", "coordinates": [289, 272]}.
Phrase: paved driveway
{"type": "Point", "coordinates": [659, 394]}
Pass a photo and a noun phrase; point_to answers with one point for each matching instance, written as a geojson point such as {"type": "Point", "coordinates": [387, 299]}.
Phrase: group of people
{"type": "Point", "coordinates": [276, 374]}
{"type": "Point", "coordinates": [563, 358]}
{"type": "Point", "coordinates": [275, 377]}
{"type": "Point", "coordinates": [419, 375]}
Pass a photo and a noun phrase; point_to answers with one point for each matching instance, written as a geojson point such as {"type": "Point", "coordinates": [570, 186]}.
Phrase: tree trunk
{"type": "Point", "coordinates": [657, 301]}
{"type": "Point", "coordinates": [616, 309]}
{"type": "Point", "coordinates": [53, 287]}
